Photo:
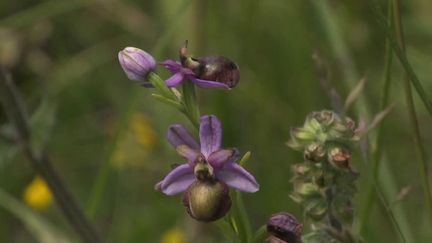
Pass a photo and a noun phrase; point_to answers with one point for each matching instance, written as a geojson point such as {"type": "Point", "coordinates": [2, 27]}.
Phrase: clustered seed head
{"type": "Point", "coordinates": [324, 184]}
{"type": "Point", "coordinates": [320, 128]}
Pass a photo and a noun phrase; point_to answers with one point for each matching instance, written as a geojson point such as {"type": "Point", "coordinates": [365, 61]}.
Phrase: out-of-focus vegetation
{"type": "Point", "coordinates": [106, 135]}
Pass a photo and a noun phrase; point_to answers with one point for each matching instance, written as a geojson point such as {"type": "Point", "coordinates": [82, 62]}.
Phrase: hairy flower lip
{"type": "Point", "coordinates": [223, 161]}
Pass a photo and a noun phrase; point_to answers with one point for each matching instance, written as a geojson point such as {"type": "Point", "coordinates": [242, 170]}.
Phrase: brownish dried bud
{"type": "Point", "coordinates": [207, 200]}
{"type": "Point", "coordinates": [339, 157]}
{"type": "Point", "coordinates": [314, 152]}
{"type": "Point", "coordinates": [284, 227]}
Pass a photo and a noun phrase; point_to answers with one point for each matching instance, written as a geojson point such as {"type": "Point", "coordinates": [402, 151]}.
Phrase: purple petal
{"type": "Point", "coordinates": [188, 153]}
{"type": "Point", "coordinates": [209, 84]}
{"type": "Point", "coordinates": [172, 65]}
{"type": "Point", "coordinates": [178, 180]}
{"type": "Point", "coordinates": [210, 134]}
{"type": "Point", "coordinates": [175, 80]}
{"type": "Point", "coordinates": [218, 158]}
{"type": "Point", "coordinates": [236, 177]}
{"type": "Point", "coordinates": [178, 135]}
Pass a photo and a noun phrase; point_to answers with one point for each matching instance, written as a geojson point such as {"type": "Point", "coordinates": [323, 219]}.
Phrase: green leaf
{"type": "Point", "coordinates": [259, 235]}
{"type": "Point", "coordinates": [355, 93]}
{"type": "Point", "coordinates": [170, 102]}
{"type": "Point", "coordinates": [245, 158]}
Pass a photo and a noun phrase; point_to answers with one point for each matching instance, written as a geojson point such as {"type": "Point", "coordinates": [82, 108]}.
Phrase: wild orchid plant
{"type": "Point", "coordinates": [210, 170]}
{"type": "Point", "coordinates": [323, 184]}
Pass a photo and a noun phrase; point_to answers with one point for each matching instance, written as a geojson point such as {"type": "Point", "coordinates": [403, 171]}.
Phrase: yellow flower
{"type": "Point", "coordinates": [136, 143]}
{"type": "Point", "coordinates": [173, 235]}
{"type": "Point", "coordinates": [144, 133]}
{"type": "Point", "coordinates": [37, 195]}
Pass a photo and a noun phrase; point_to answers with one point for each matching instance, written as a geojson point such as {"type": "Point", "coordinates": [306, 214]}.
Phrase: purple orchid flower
{"type": "Point", "coordinates": [221, 161]}
{"type": "Point", "coordinates": [181, 74]}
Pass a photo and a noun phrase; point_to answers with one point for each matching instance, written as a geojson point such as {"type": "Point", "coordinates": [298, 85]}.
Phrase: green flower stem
{"type": "Point", "coordinates": [190, 103]}
{"type": "Point", "coordinates": [15, 110]}
{"type": "Point", "coordinates": [242, 219]}
{"type": "Point", "coordinates": [423, 167]}
{"type": "Point", "coordinates": [243, 222]}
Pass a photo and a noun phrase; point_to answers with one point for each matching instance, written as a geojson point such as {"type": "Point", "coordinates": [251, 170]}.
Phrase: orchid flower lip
{"type": "Point", "coordinates": [181, 74]}
{"type": "Point", "coordinates": [209, 149]}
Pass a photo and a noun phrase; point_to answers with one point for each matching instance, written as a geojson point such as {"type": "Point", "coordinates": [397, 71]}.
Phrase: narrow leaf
{"type": "Point", "coordinates": [355, 93]}
{"type": "Point", "coordinates": [167, 101]}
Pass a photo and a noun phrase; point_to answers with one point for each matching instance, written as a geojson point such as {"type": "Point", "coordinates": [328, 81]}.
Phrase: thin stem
{"type": "Point", "coordinates": [14, 108]}
{"type": "Point", "coordinates": [378, 151]}
{"type": "Point", "coordinates": [382, 23]}
{"type": "Point", "coordinates": [341, 52]}
{"type": "Point", "coordinates": [420, 150]}
{"type": "Point", "coordinates": [190, 103]}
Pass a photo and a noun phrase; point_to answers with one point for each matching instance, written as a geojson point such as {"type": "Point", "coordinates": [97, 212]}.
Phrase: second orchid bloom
{"type": "Point", "coordinates": [209, 172]}
{"type": "Point", "coordinates": [215, 72]}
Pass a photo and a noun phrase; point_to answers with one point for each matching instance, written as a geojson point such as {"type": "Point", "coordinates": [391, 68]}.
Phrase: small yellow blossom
{"type": "Point", "coordinates": [173, 235]}
{"type": "Point", "coordinates": [144, 133]}
{"type": "Point", "coordinates": [136, 144]}
{"type": "Point", "coordinates": [37, 195]}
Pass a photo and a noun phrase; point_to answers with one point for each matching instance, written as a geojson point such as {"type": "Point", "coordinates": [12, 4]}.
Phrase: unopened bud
{"type": "Point", "coordinates": [284, 228]}
{"type": "Point", "coordinates": [300, 168]}
{"type": "Point", "coordinates": [307, 189]}
{"type": "Point", "coordinates": [314, 152]}
{"type": "Point", "coordinates": [136, 63]}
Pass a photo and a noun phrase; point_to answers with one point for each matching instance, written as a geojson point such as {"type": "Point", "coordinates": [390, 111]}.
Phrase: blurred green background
{"type": "Point", "coordinates": [63, 57]}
